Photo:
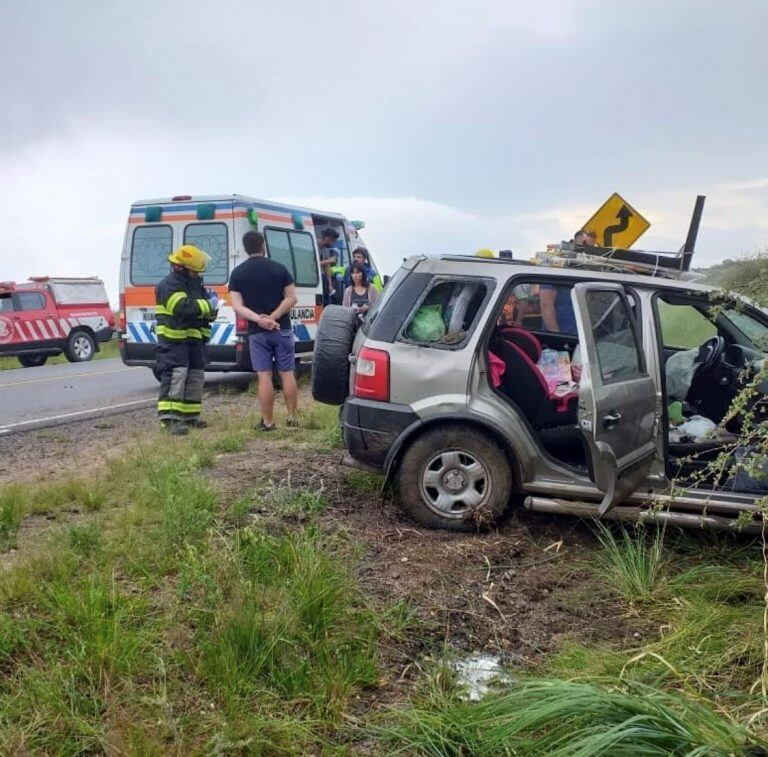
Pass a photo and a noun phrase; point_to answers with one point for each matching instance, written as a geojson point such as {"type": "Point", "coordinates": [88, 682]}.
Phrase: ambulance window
{"type": "Point", "coordinates": [279, 248]}
{"type": "Point", "coordinates": [304, 258]}
{"type": "Point", "coordinates": [6, 303]}
{"type": "Point", "coordinates": [213, 239]}
{"type": "Point", "coordinates": [31, 301]}
{"type": "Point", "coordinates": [149, 254]}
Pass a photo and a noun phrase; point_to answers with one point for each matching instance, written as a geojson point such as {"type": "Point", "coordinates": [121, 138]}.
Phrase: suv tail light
{"type": "Point", "coordinates": [372, 375]}
{"type": "Point", "coordinates": [241, 325]}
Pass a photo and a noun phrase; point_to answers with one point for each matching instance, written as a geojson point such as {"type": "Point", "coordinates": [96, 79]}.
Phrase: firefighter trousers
{"type": "Point", "coordinates": [182, 373]}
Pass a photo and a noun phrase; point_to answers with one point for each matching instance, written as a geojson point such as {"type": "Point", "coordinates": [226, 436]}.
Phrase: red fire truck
{"type": "Point", "coordinates": [47, 316]}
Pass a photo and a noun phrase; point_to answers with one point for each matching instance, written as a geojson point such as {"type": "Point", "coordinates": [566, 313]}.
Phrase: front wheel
{"type": "Point", "coordinates": [455, 478]}
{"type": "Point", "coordinates": [32, 361]}
{"type": "Point", "coordinates": [80, 347]}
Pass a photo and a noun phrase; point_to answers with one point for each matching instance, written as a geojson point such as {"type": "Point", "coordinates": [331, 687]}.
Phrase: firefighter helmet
{"type": "Point", "coordinates": [190, 257]}
{"type": "Point", "coordinates": [485, 254]}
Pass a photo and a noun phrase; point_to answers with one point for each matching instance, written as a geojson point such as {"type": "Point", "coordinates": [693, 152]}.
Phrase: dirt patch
{"type": "Point", "coordinates": [517, 591]}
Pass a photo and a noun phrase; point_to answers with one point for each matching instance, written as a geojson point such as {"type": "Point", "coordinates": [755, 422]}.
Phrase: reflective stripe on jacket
{"type": "Point", "coordinates": [183, 310]}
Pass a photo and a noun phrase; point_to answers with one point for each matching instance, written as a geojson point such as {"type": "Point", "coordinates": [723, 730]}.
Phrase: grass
{"type": "Point", "coordinates": [11, 510]}
{"type": "Point", "coordinates": [567, 718]}
{"type": "Point", "coordinates": [632, 563]}
{"type": "Point", "coordinates": [168, 618]}
{"type": "Point", "coordinates": [106, 350]}
{"type": "Point", "coordinates": [158, 623]}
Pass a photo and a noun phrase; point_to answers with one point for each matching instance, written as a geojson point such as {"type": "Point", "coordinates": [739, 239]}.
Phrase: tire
{"type": "Point", "coordinates": [454, 477]}
{"type": "Point", "coordinates": [32, 361]}
{"type": "Point", "coordinates": [80, 347]}
{"type": "Point", "coordinates": [330, 361]}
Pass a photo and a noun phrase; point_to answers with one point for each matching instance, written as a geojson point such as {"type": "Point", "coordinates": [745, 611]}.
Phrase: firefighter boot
{"type": "Point", "coordinates": [174, 427]}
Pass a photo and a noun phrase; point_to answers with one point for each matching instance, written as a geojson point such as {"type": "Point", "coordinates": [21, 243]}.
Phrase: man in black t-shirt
{"type": "Point", "coordinates": [262, 292]}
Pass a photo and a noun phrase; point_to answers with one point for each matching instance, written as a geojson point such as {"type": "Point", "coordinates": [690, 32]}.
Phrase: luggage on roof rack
{"type": "Point", "coordinates": [665, 264]}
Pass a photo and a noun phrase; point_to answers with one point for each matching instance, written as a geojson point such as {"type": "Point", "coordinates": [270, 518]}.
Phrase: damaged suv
{"type": "Point", "coordinates": [475, 383]}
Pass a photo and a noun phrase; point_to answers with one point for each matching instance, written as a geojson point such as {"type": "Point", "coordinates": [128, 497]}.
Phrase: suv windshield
{"type": "Point", "coordinates": [756, 331]}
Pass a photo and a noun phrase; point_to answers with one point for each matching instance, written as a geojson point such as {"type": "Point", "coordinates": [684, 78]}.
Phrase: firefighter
{"type": "Point", "coordinates": [184, 314]}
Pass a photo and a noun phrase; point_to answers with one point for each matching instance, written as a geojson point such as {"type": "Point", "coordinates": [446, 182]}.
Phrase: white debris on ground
{"type": "Point", "coordinates": [479, 675]}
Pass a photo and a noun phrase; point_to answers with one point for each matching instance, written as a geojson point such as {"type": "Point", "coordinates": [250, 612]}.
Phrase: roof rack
{"type": "Point", "coordinates": [674, 265]}
{"type": "Point", "coordinates": [663, 264]}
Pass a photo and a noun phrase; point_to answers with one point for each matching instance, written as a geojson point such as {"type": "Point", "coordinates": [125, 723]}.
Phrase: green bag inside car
{"type": "Point", "coordinates": [427, 324]}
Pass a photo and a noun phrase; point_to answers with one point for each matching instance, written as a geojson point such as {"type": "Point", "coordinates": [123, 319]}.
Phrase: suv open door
{"type": "Point", "coordinates": [617, 397]}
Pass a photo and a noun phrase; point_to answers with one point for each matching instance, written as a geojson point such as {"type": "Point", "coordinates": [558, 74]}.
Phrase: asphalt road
{"type": "Point", "coordinates": [55, 394]}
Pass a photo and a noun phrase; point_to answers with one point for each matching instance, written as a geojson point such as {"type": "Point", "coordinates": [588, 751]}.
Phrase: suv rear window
{"type": "Point", "coordinates": [447, 314]}
{"type": "Point", "coordinates": [150, 249]}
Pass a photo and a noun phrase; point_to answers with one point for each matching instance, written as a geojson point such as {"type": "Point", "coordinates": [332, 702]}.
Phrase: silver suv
{"type": "Point", "coordinates": [478, 382]}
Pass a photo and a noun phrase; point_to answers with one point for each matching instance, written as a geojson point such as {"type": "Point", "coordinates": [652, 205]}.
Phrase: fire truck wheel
{"type": "Point", "coordinates": [80, 347]}
{"type": "Point", "coordinates": [32, 361]}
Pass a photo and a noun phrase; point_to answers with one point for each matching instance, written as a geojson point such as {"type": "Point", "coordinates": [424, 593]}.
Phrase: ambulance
{"type": "Point", "coordinates": [216, 224]}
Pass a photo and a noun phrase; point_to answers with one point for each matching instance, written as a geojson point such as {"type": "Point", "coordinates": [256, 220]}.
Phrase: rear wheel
{"type": "Point", "coordinates": [80, 347]}
{"type": "Point", "coordinates": [32, 361]}
{"type": "Point", "coordinates": [456, 478]}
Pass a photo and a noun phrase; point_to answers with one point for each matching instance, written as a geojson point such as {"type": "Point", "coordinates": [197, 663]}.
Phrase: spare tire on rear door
{"type": "Point", "coordinates": [330, 361]}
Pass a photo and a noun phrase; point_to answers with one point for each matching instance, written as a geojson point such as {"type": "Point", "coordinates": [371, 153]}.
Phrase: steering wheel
{"type": "Point", "coordinates": [710, 353]}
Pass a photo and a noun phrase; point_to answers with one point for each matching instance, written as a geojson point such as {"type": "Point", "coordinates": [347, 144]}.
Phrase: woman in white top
{"type": "Point", "coordinates": [361, 295]}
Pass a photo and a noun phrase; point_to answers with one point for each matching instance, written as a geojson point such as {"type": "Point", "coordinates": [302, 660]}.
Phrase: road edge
{"type": "Point", "coordinates": [78, 415]}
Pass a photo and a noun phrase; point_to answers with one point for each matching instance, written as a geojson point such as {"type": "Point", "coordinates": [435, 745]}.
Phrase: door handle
{"type": "Point", "coordinates": [610, 420]}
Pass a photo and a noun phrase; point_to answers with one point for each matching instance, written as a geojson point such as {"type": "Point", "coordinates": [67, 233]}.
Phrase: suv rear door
{"type": "Point", "coordinates": [617, 396]}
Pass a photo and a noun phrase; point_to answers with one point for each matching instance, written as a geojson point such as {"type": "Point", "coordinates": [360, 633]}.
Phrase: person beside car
{"type": "Point", "coordinates": [361, 294]}
{"type": "Point", "coordinates": [262, 292]}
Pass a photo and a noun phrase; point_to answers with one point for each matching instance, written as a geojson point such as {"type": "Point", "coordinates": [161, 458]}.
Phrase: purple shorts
{"type": "Point", "coordinates": [272, 349]}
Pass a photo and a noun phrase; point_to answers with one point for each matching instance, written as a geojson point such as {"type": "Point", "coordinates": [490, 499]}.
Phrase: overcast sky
{"type": "Point", "coordinates": [447, 126]}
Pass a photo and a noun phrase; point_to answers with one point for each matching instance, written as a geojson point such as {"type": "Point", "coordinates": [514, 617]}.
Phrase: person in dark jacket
{"type": "Point", "coordinates": [184, 311]}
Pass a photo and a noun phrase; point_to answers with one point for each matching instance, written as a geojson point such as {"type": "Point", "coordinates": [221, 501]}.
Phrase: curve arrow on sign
{"type": "Point", "coordinates": [623, 215]}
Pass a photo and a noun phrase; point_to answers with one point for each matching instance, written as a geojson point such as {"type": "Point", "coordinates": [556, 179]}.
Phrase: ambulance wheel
{"type": "Point", "coordinates": [32, 361]}
{"type": "Point", "coordinates": [80, 347]}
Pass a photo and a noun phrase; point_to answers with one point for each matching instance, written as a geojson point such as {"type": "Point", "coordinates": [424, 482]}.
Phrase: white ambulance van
{"type": "Point", "coordinates": [216, 224]}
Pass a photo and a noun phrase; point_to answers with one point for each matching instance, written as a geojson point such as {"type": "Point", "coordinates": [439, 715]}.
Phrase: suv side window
{"type": "Point", "coordinates": [618, 352]}
{"type": "Point", "coordinates": [448, 312]}
{"type": "Point", "coordinates": [683, 326]}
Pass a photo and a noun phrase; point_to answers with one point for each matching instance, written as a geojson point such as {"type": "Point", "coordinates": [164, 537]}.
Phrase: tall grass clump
{"type": "Point", "coordinates": [568, 719]}
{"type": "Point", "coordinates": [184, 502]}
{"type": "Point", "coordinates": [632, 563]}
{"type": "Point", "coordinates": [294, 627]}
{"type": "Point", "coordinates": [12, 503]}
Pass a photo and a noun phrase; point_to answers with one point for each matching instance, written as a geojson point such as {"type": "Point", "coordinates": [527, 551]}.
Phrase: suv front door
{"type": "Point", "coordinates": [617, 396]}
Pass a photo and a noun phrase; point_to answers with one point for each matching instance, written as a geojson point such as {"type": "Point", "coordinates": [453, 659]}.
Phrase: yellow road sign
{"type": "Point", "coordinates": [617, 223]}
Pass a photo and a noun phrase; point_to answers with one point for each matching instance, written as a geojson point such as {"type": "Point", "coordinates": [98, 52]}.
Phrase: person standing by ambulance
{"type": "Point", "coordinates": [184, 311]}
{"type": "Point", "coordinates": [262, 292]}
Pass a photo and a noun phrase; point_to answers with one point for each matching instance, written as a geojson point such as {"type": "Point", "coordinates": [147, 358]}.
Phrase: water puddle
{"type": "Point", "coordinates": [479, 675]}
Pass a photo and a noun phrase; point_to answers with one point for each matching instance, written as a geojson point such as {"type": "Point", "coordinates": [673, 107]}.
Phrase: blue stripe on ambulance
{"type": "Point", "coordinates": [301, 332]}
